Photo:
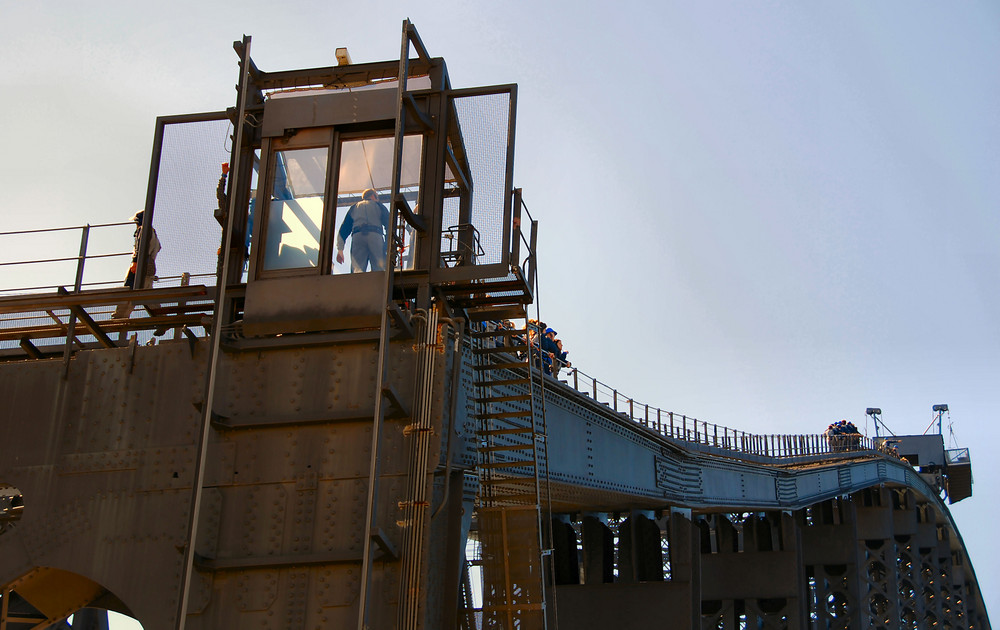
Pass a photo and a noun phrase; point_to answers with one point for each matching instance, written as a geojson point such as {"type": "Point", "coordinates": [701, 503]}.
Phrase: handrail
{"type": "Point", "coordinates": [65, 229]}
{"type": "Point", "coordinates": [81, 258]}
{"type": "Point", "coordinates": [682, 427]}
{"type": "Point", "coordinates": [64, 259]}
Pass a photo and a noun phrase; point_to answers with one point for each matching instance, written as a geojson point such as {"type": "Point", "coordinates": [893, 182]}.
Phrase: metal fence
{"type": "Point", "coordinates": [721, 439]}
{"type": "Point", "coordinates": [689, 429]}
{"type": "Point", "coordinates": [107, 247]}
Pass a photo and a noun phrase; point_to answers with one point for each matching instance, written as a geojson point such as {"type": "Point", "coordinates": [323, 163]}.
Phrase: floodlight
{"type": "Point", "coordinates": [940, 407]}
{"type": "Point", "coordinates": [871, 411]}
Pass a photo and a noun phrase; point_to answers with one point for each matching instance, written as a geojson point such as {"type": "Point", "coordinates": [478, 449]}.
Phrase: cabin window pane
{"type": "Point", "coordinates": [295, 210]}
{"type": "Point", "coordinates": [366, 165]}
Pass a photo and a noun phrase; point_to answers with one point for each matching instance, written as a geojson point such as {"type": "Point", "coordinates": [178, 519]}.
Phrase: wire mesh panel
{"type": "Point", "coordinates": [485, 122]}
{"type": "Point", "coordinates": [183, 212]}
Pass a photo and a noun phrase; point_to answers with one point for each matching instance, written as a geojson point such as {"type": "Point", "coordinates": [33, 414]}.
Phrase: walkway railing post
{"type": "Point", "coordinates": [71, 328]}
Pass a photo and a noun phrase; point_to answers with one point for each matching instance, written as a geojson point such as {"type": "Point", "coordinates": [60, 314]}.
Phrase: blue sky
{"type": "Point", "coordinates": [768, 215]}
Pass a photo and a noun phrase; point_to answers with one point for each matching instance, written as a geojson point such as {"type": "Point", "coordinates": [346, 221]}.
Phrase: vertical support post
{"type": "Point", "coordinates": [185, 281]}
{"type": "Point", "coordinates": [515, 236]}
{"type": "Point", "coordinates": [194, 511]}
{"type": "Point", "coordinates": [77, 285]}
{"type": "Point", "coordinates": [371, 516]}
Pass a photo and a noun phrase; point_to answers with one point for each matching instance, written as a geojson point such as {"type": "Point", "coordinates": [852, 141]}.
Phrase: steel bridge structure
{"type": "Point", "coordinates": [277, 439]}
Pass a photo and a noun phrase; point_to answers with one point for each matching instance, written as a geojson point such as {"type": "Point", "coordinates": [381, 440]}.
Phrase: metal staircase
{"type": "Point", "coordinates": [513, 472]}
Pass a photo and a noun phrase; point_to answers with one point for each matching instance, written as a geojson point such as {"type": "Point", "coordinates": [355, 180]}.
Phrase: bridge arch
{"type": "Point", "coordinates": [47, 595]}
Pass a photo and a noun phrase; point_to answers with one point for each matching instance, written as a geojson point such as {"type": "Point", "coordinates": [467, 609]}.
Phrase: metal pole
{"type": "Point", "coordinates": [375, 463]}
{"type": "Point", "coordinates": [71, 328]}
{"type": "Point", "coordinates": [214, 348]}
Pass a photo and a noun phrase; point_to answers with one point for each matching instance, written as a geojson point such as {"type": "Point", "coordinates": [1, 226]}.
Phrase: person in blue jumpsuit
{"type": "Point", "coordinates": [367, 223]}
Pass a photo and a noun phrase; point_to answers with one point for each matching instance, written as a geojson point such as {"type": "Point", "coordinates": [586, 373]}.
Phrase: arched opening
{"type": "Point", "coordinates": [52, 598]}
{"type": "Point", "coordinates": [97, 619]}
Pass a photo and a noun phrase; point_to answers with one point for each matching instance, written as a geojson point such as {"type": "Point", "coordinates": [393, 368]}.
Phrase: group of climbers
{"type": "Point", "coordinates": [543, 344]}
{"type": "Point", "coordinates": [546, 348]}
{"type": "Point", "coordinates": [843, 436]}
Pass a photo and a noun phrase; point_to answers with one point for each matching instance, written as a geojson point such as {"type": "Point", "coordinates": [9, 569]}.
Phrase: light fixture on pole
{"type": "Point", "coordinates": [876, 415]}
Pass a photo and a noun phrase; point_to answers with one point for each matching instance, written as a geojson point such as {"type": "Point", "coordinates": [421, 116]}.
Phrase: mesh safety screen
{"type": "Point", "coordinates": [485, 123]}
{"type": "Point", "coordinates": [190, 166]}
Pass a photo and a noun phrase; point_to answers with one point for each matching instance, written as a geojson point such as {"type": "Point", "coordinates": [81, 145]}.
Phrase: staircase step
{"type": "Point", "coordinates": [514, 431]}
{"type": "Point", "coordinates": [490, 399]}
{"type": "Point", "coordinates": [514, 464]}
{"type": "Point", "coordinates": [506, 447]}
{"type": "Point", "coordinates": [512, 486]}
{"type": "Point", "coordinates": [501, 349]}
{"type": "Point", "coordinates": [525, 499]}
{"type": "Point", "coordinates": [501, 366]}
{"type": "Point", "coordinates": [486, 312]}
{"type": "Point", "coordinates": [503, 382]}
{"type": "Point", "coordinates": [503, 414]}
{"type": "Point", "coordinates": [499, 332]}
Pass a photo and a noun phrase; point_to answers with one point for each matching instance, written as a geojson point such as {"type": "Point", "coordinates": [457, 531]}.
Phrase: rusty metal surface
{"type": "Point", "coordinates": [104, 461]}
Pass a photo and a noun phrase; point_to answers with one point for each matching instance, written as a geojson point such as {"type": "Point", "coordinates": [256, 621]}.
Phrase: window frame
{"type": "Point", "coordinates": [312, 138]}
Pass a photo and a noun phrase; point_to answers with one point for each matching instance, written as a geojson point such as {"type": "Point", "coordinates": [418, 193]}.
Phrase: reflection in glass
{"type": "Point", "coordinates": [295, 211]}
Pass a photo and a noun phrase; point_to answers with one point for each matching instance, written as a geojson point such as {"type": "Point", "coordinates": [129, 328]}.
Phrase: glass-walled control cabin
{"type": "Point", "coordinates": [321, 215]}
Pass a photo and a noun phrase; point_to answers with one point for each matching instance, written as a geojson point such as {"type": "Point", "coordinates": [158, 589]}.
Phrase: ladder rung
{"type": "Point", "coordinates": [515, 464]}
{"type": "Point", "coordinates": [516, 397]}
{"type": "Point", "coordinates": [503, 382]}
{"type": "Point", "coordinates": [504, 431]}
{"type": "Point", "coordinates": [501, 366]}
{"type": "Point", "coordinates": [503, 414]}
{"type": "Point", "coordinates": [508, 447]}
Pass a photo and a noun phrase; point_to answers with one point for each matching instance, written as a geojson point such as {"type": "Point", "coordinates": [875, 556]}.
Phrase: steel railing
{"type": "Point", "coordinates": [25, 267]}
{"type": "Point", "coordinates": [689, 429]}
